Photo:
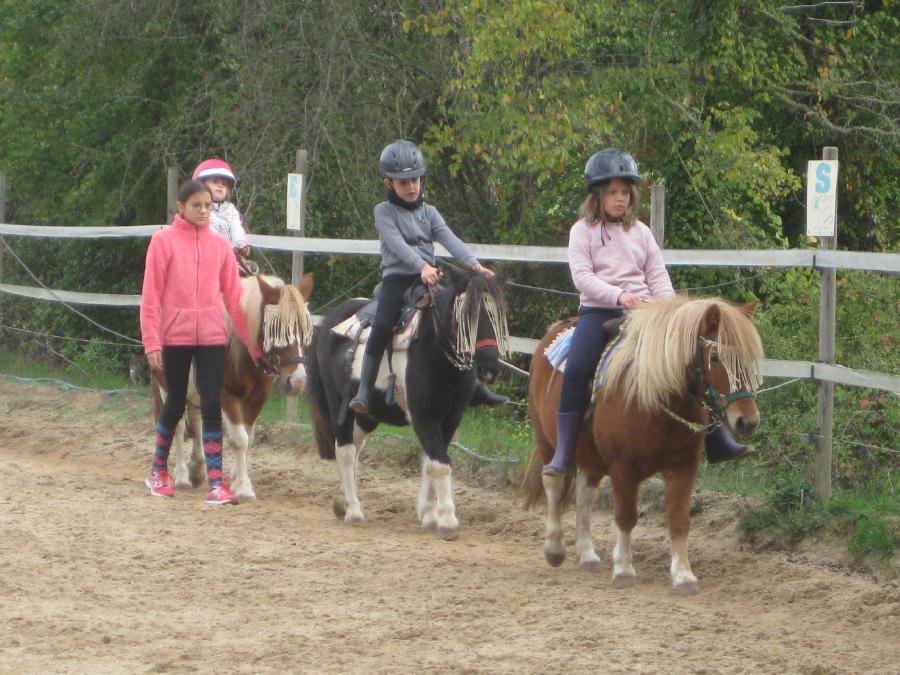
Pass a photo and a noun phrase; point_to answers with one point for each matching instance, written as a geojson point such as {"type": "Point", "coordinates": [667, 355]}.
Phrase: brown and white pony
{"type": "Point", "coordinates": [678, 366]}
{"type": "Point", "coordinates": [277, 315]}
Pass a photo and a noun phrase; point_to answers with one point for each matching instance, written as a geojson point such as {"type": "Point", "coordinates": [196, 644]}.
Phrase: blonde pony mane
{"type": "Point", "coordinates": [659, 341]}
{"type": "Point", "coordinates": [287, 322]}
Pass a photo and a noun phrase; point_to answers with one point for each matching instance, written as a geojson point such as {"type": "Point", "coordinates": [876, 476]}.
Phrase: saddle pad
{"type": "Point", "coordinates": [557, 351]}
{"type": "Point", "coordinates": [349, 328]}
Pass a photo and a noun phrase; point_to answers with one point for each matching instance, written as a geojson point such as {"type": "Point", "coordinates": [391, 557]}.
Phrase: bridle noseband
{"type": "Point", "coordinates": [712, 400]}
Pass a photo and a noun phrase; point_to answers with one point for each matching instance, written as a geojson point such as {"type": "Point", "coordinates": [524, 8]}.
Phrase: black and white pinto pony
{"type": "Point", "coordinates": [460, 338]}
{"type": "Point", "coordinates": [278, 318]}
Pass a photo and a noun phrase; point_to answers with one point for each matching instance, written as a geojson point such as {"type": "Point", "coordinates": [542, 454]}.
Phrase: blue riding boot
{"type": "Point", "coordinates": [721, 446]}
{"type": "Point", "coordinates": [567, 426]}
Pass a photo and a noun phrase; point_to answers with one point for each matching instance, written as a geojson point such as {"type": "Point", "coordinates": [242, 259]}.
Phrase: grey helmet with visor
{"type": "Point", "coordinates": [402, 160]}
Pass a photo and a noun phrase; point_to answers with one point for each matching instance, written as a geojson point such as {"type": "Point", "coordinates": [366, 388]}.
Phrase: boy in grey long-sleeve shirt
{"type": "Point", "coordinates": [407, 228]}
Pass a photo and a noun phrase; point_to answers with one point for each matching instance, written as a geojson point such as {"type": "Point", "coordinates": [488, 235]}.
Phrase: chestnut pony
{"type": "Point", "coordinates": [678, 368]}
{"type": "Point", "coordinates": [277, 315]}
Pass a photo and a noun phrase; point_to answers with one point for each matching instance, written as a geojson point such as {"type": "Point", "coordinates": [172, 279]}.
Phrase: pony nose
{"type": "Point", "coordinates": [744, 426]}
{"type": "Point", "coordinates": [485, 375]}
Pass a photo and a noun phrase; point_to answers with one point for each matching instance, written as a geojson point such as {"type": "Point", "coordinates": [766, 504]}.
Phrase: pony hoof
{"type": "Point", "coordinates": [339, 506]}
{"type": "Point", "coordinates": [246, 499]}
{"type": "Point", "coordinates": [623, 581]}
{"type": "Point", "coordinates": [198, 475]}
{"type": "Point", "coordinates": [429, 524]}
{"type": "Point", "coordinates": [353, 519]}
{"type": "Point", "coordinates": [184, 485]}
{"type": "Point", "coordinates": [555, 559]}
{"type": "Point", "coordinates": [447, 533]}
{"type": "Point", "coordinates": [590, 565]}
{"type": "Point", "coordinates": [687, 588]}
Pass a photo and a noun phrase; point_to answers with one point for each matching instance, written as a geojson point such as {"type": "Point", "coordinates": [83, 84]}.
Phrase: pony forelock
{"type": "Point", "coordinates": [467, 309]}
{"type": "Point", "coordinates": [283, 324]}
{"type": "Point", "coordinates": [659, 341]}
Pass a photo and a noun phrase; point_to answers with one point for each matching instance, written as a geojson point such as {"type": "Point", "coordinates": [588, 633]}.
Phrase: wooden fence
{"type": "Point", "coordinates": [826, 260]}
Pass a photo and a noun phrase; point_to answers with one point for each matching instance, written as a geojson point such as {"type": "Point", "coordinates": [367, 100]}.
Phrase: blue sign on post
{"type": "Point", "coordinates": [821, 198]}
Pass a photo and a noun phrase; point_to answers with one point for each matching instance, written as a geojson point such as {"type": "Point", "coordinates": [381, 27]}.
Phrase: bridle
{"type": "Point", "coordinates": [711, 399]}
{"type": "Point", "coordinates": [462, 360]}
{"type": "Point", "coordinates": [273, 362]}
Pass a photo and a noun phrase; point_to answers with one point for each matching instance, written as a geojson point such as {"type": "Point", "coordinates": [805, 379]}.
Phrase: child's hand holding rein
{"type": "Point", "coordinates": [154, 359]}
{"type": "Point", "coordinates": [430, 275]}
{"type": "Point", "coordinates": [629, 300]}
{"type": "Point", "coordinates": [482, 270]}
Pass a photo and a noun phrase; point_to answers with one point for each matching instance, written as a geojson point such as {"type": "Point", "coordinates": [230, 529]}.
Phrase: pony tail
{"type": "Point", "coordinates": [318, 404]}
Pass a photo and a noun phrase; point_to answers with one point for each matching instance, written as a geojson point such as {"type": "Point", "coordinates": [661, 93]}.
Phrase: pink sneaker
{"type": "Point", "coordinates": [221, 494]}
{"type": "Point", "coordinates": [160, 484]}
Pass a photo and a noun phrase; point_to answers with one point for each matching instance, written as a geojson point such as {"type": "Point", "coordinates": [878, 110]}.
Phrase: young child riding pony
{"type": "Point", "coordinates": [217, 175]}
{"type": "Point", "coordinates": [407, 228]}
{"type": "Point", "coordinates": [616, 264]}
{"type": "Point", "coordinates": [190, 278]}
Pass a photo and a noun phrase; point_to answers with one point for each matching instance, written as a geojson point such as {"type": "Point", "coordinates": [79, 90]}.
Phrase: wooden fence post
{"type": "Point", "coordinates": [2, 217]}
{"type": "Point", "coordinates": [171, 192]}
{"type": "Point", "coordinates": [827, 311]}
{"type": "Point", "coordinates": [297, 257]}
{"type": "Point", "coordinates": [658, 213]}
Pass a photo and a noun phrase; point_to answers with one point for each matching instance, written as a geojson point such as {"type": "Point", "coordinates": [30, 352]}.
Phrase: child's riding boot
{"type": "Point", "coordinates": [567, 427]}
{"type": "Point", "coordinates": [369, 372]}
{"type": "Point", "coordinates": [721, 446]}
{"type": "Point", "coordinates": [484, 396]}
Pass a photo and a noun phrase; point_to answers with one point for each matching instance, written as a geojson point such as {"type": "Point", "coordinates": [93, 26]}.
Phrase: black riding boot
{"type": "Point", "coordinates": [721, 446]}
{"type": "Point", "coordinates": [369, 372]}
{"type": "Point", "coordinates": [568, 424]}
{"type": "Point", "coordinates": [484, 396]}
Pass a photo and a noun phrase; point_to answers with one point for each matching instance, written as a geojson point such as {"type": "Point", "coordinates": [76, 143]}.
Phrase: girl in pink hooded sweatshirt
{"type": "Point", "coordinates": [190, 280]}
{"type": "Point", "coordinates": [616, 264]}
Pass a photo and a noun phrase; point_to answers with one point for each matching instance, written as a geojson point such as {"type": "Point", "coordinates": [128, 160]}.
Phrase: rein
{"type": "Point", "coordinates": [712, 401]}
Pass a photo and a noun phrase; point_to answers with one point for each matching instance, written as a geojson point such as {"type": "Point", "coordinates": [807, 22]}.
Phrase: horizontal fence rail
{"type": "Point", "coordinates": [812, 258]}
{"type": "Point", "coordinates": [877, 262]}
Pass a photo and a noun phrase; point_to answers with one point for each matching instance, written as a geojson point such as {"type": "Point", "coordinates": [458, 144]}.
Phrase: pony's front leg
{"type": "Point", "coordinates": [679, 486]}
{"type": "Point", "coordinates": [182, 473]}
{"type": "Point", "coordinates": [438, 474]}
{"type": "Point", "coordinates": [197, 463]}
{"type": "Point", "coordinates": [347, 456]}
{"type": "Point", "coordinates": [554, 548]}
{"type": "Point", "coordinates": [625, 494]}
{"type": "Point", "coordinates": [426, 505]}
{"type": "Point", "coordinates": [585, 495]}
{"type": "Point", "coordinates": [239, 436]}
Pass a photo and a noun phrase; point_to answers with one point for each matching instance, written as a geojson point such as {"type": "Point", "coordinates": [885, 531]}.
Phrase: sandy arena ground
{"type": "Point", "coordinates": [97, 576]}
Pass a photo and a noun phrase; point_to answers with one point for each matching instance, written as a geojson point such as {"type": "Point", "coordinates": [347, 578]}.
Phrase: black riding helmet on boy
{"type": "Point", "coordinates": [408, 226]}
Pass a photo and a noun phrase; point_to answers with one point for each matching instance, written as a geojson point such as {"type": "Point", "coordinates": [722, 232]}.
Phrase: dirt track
{"type": "Point", "coordinates": [96, 576]}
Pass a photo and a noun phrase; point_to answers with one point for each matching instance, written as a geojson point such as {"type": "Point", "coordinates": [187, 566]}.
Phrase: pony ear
{"type": "Point", "coordinates": [306, 285]}
{"type": "Point", "coordinates": [459, 277]}
{"type": "Point", "coordinates": [270, 294]}
{"type": "Point", "coordinates": [749, 308]}
{"type": "Point", "coordinates": [710, 322]}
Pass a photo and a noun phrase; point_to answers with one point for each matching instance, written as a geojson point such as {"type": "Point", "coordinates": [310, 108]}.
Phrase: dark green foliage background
{"type": "Point", "coordinates": [722, 102]}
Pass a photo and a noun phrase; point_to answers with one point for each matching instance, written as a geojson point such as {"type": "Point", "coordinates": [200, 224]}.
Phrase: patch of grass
{"type": "Point", "coordinates": [15, 365]}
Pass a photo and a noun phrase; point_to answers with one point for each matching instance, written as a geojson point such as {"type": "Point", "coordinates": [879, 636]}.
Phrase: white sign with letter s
{"type": "Point", "coordinates": [821, 198]}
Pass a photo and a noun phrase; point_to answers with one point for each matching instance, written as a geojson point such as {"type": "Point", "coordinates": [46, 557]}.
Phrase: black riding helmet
{"type": "Point", "coordinates": [607, 164]}
{"type": "Point", "coordinates": [401, 160]}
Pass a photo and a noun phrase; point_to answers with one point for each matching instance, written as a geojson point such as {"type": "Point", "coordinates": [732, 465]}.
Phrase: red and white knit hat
{"type": "Point", "coordinates": [212, 168]}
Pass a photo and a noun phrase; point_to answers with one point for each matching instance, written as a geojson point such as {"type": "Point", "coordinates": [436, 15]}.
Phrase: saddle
{"type": "Point", "coordinates": [557, 353]}
{"type": "Point", "coordinates": [246, 267]}
{"type": "Point", "coordinates": [359, 326]}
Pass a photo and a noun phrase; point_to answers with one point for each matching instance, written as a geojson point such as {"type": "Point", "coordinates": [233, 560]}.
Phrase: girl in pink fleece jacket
{"type": "Point", "coordinates": [190, 272]}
